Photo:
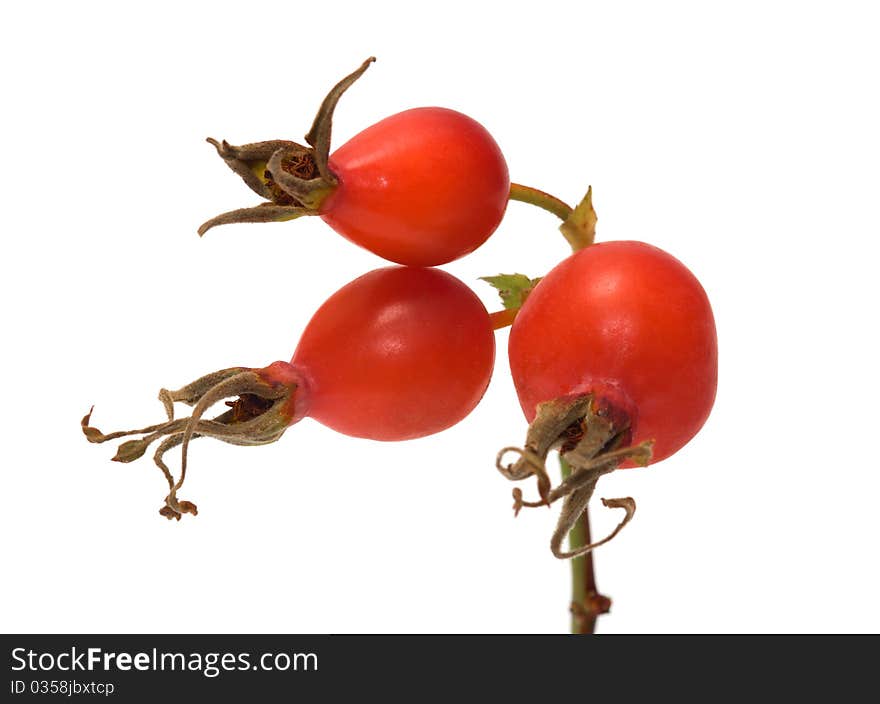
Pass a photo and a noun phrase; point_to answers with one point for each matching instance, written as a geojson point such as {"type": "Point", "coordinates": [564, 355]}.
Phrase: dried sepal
{"type": "Point", "coordinates": [545, 432]}
{"type": "Point", "coordinates": [582, 475]}
{"type": "Point", "coordinates": [293, 178]}
{"type": "Point", "coordinates": [249, 161]}
{"type": "Point", "coordinates": [264, 212]}
{"type": "Point", "coordinates": [94, 435]}
{"type": "Point", "coordinates": [263, 410]}
{"type": "Point", "coordinates": [131, 450]}
{"type": "Point", "coordinates": [592, 437]}
{"type": "Point", "coordinates": [321, 131]}
{"type": "Point", "coordinates": [575, 504]}
{"type": "Point", "coordinates": [175, 509]}
{"type": "Point", "coordinates": [309, 192]}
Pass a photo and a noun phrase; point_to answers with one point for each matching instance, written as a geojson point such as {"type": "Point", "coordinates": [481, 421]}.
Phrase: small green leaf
{"type": "Point", "coordinates": [513, 288]}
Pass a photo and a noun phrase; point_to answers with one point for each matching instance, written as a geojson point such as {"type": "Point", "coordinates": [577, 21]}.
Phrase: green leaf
{"type": "Point", "coordinates": [513, 288]}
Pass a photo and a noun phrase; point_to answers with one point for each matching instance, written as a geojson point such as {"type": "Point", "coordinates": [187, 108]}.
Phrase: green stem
{"type": "Point", "coordinates": [578, 224]}
{"type": "Point", "coordinates": [579, 229]}
{"type": "Point", "coordinates": [587, 604]}
{"type": "Point", "coordinates": [533, 196]}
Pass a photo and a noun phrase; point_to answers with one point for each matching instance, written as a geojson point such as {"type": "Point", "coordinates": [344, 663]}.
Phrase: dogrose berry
{"type": "Point", "coordinates": [615, 361]}
{"type": "Point", "coordinates": [398, 353]}
{"type": "Point", "coordinates": [422, 187]}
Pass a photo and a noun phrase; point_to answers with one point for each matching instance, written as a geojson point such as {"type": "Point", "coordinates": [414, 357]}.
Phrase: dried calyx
{"type": "Point", "coordinates": [267, 401]}
{"type": "Point", "coordinates": [293, 178]}
{"type": "Point", "coordinates": [593, 437]}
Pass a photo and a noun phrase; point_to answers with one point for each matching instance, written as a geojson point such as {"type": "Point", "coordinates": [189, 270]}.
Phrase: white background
{"type": "Point", "coordinates": [740, 137]}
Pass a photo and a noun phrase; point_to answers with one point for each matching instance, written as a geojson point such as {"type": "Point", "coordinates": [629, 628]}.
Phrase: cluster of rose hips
{"type": "Point", "coordinates": [613, 353]}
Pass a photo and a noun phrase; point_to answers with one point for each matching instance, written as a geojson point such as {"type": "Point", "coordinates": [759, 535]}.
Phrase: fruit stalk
{"type": "Point", "coordinates": [579, 229]}
{"type": "Point", "coordinates": [552, 204]}
{"type": "Point", "coordinates": [587, 604]}
{"type": "Point", "coordinates": [578, 223]}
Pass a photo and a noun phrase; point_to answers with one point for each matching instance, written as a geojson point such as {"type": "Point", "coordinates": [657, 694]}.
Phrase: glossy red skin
{"type": "Point", "coordinates": [422, 187]}
{"type": "Point", "coordinates": [628, 322]}
{"type": "Point", "coordinates": [396, 354]}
